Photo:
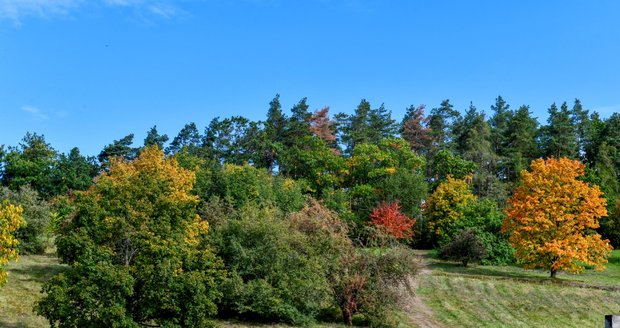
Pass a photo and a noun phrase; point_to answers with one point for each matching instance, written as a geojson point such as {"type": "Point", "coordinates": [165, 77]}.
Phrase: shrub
{"type": "Point", "coordinates": [33, 236]}
{"type": "Point", "coordinates": [277, 272]}
{"type": "Point", "coordinates": [465, 247]}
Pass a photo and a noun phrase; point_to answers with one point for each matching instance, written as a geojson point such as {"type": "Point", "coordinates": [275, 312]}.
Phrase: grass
{"type": "Point", "coordinates": [478, 296]}
{"type": "Point", "coordinates": [18, 296]}
{"type": "Point", "coordinates": [508, 296]}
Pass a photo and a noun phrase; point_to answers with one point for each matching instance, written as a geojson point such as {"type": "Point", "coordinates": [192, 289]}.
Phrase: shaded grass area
{"type": "Point", "coordinates": [509, 296]}
{"type": "Point", "coordinates": [23, 289]}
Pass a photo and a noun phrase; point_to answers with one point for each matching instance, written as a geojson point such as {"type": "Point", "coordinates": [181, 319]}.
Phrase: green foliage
{"type": "Point", "coordinates": [242, 185]}
{"type": "Point", "coordinates": [73, 172]}
{"type": "Point", "coordinates": [485, 220]}
{"type": "Point", "coordinates": [30, 164]}
{"type": "Point", "coordinates": [445, 164]}
{"type": "Point", "coordinates": [34, 235]}
{"type": "Point", "coordinates": [464, 247]}
{"type": "Point", "coordinates": [137, 252]}
{"type": "Point", "coordinates": [278, 268]}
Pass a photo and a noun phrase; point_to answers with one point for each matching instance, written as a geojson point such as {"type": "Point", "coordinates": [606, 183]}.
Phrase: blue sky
{"type": "Point", "coordinates": [85, 72]}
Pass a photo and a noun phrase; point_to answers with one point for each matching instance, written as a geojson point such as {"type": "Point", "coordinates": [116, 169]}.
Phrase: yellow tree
{"type": "Point", "coordinates": [551, 218]}
{"type": "Point", "coordinates": [10, 220]}
{"type": "Point", "coordinates": [446, 206]}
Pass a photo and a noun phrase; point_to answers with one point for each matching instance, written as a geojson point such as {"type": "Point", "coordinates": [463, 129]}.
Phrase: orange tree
{"type": "Point", "coordinates": [552, 216]}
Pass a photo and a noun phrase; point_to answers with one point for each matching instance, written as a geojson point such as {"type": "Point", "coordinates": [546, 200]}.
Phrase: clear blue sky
{"type": "Point", "coordinates": [85, 72]}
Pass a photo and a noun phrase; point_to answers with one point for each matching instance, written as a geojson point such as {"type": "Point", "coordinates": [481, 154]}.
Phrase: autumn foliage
{"type": "Point", "coordinates": [10, 221]}
{"type": "Point", "coordinates": [389, 219]}
{"type": "Point", "coordinates": [551, 218]}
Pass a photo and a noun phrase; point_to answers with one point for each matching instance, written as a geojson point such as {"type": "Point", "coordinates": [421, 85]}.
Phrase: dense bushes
{"type": "Point", "coordinates": [34, 236]}
{"type": "Point", "coordinates": [299, 267]}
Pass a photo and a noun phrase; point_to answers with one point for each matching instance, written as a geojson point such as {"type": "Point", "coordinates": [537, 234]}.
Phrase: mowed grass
{"type": "Point", "coordinates": [508, 296]}
{"type": "Point", "coordinates": [23, 289]}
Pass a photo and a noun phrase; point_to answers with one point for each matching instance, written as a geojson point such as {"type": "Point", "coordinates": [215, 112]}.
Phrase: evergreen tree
{"type": "Point", "coordinates": [154, 138]}
{"type": "Point", "coordinates": [558, 137]}
{"type": "Point", "coordinates": [440, 123]}
{"type": "Point", "coordinates": [499, 125]}
{"type": "Point", "coordinates": [582, 122]}
{"type": "Point", "coordinates": [118, 148]}
{"type": "Point", "coordinates": [521, 142]}
{"type": "Point", "coordinates": [188, 137]}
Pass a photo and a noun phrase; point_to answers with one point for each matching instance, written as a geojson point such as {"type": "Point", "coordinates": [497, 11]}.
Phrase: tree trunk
{"type": "Point", "coordinates": [553, 272]}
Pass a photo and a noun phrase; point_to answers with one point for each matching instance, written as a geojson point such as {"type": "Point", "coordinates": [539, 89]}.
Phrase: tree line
{"type": "Point", "coordinates": [331, 198]}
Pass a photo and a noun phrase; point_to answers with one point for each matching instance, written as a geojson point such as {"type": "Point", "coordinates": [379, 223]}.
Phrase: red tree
{"type": "Point", "coordinates": [389, 219]}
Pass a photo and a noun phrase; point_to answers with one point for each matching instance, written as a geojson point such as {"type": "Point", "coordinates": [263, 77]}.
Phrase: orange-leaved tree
{"type": "Point", "coordinates": [388, 218]}
{"type": "Point", "coordinates": [551, 218]}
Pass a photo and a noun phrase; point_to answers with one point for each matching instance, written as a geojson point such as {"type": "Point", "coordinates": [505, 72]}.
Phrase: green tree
{"type": "Point", "coordinates": [189, 138]}
{"type": "Point", "coordinates": [440, 123]}
{"type": "Point", "coordinates": [521, 142]}
{"type": "Point", "coordinates": [31, 163]}
{"type": "Point", "coordinates": [153, 138]}
{"type": "Point", "coordinates": [137, 252]}
{"type": "Point", "coordinates": [118, 148]}
{"type": "Point", "coordinates": [500, 123]}
{"type": "Point", "coordinates": [559, 136]}
{"type": "Point", "coordinates": [73, 171]}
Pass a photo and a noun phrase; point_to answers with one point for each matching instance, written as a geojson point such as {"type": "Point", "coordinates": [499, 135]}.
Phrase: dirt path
{"type": "Point", "coordinates": [419, 313]}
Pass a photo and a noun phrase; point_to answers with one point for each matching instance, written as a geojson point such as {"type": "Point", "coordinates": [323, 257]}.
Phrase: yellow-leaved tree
{"type": "Point", "coordinates": [10, 220]}
{"type": "Point", "coordinates": [552, 216]}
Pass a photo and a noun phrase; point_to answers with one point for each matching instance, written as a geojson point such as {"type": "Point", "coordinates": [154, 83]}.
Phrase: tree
{"type": "Point", "coordinates": [499, 125]}
{"type": "Point", "coordinates": [366, 125]}
{"type": "Point", "coordinates": [388, 218]}
{"type": "Point", "coordinates": [521, 146]}
{"type": "Point", "coordinates": [188, 138]}
{"type": "Point", "coordinates": [137, 252]}
{"type": "Point", "coordinates": [446, 206]}
{"type": "Point", "coordinates": [10, 221]}
{"type": "Point", "coordinates": [322, 126]}
{"type": "Point", "coordinates": [551, 218]}
{"type": "Point", "coordinates": [118, 148]}
{"type": "Point", "coordinates": [73, 172]}
{"type": "Point", "coordinates": [440, 122]}
{"type": "Point", "coordinates": [33, 235]}
{"type": "Point", "coordinates": [153, 138]}
{"type": "Point", "coordinates": [30, 164]}
{"type": "Point", "coordinates": [414, 129]}
{"type": "Point", "coordinates": [559, 136]}
{"type": "Point", "coordinates": [464, 247]}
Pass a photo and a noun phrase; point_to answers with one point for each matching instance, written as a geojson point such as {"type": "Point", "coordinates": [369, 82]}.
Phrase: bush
{"type": "Point", "coordinates": [367, 281]}
{"type": "Point", "coordinates": [466, 247]}
{"type": "Point", "coordinates": [277, 272]}
{"type": "Point", "coordinates": [34, 236]}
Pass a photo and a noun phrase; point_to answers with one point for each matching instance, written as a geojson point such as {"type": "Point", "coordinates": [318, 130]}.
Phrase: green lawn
{"type": "Point", "coordinates": [508, 296]}
{"type": "Point", "coordinates": [18, 296]}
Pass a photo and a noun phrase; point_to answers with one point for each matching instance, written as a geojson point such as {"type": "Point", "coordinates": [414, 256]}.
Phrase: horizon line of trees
{"type": "Point", "coordinates": [331, 196]}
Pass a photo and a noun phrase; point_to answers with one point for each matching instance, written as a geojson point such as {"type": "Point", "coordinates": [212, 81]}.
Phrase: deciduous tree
{"type": "Point", "coordinates": [10, 221]}
{"type": "Point", "coordinates": [136, 250]}
{"type": "Point", "coordinates": [551, 218]}
{"type": "Point", "coordinates": [388, 218]}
